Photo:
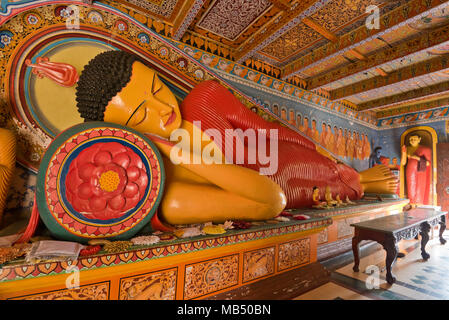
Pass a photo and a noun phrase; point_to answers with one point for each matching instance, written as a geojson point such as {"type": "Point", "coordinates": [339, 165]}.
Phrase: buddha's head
{"type": "Point", "coordinates": [116, 87]}
{"type": "Point", "coordinates": [414, 140]}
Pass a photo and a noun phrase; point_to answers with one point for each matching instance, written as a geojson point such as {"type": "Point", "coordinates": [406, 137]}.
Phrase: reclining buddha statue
{"type": "Point", "coordinates": [117, 87]}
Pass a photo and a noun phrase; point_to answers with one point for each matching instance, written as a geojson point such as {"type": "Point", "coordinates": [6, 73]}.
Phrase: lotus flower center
{"type": "Point", "coordinates": [109, 181]}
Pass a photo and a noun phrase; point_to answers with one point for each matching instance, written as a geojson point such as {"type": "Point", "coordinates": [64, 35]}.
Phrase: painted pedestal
{"type": "Point", "coordinates": [192, 268]}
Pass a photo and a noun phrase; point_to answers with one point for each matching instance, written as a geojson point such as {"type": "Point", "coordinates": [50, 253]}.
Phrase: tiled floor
{"type": "Point", "coordinates": [416, 279]}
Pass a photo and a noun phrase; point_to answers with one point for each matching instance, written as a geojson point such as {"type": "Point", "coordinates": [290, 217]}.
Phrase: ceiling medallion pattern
{"type": "Point", "coordinates": [338, 13]}
{"type": "Point", "coordinates": [293, 20]}
{"type": "Point", "coordinates": [163, 8]}
{"type": "Point", "coordinates": [229, 18]}
{"type": "Point", "coordinates": [295, 39]}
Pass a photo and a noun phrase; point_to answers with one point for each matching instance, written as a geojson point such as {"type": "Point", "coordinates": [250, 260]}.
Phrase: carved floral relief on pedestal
{"type": "Point", "coordinates": [151, 286]}
{"type": "Point", "coordinates": [293, 253]}
{"type": "Point", "coordinates": [209, 276]}
{"type": "Point", "coordinates": [98, 291]}
{"type": "Point", "coordinates": [258, 263]}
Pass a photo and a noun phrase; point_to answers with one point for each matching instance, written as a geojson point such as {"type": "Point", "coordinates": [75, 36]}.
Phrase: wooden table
{"type": "Point", "coordinates": [388, 231]}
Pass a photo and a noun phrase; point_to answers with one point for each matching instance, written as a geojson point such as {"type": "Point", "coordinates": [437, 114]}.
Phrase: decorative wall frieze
{"type": "Point", "coordinates": [237, 72]}
{"type": "Point", "coordinates": [309, 99]}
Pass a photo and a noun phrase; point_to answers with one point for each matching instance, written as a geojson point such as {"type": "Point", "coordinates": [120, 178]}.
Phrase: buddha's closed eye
{"type": "Point", "coordinates": [157, 84]}
{"type": "Point", "coordinates": [138, 116]}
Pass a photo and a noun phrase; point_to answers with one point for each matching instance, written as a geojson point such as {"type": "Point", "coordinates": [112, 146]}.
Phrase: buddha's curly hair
{"type": "Point", "coordinates": [102, 78]}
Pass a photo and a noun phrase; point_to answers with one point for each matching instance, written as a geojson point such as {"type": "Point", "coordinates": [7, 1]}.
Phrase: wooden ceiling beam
{"type": "Point", "coordinates": [185, 18]}
{"type": "Point", "coordinates": [419, 43]}
{"type": "Point", "coordinates": [281, 4]}
{"type": "Point", "coordinates": [436, 64]}
{"type": "Point", "coordinates": [411, 96]}
{"type": "Point", "coordinates": [321, 30]}
{"type": "Point", "coordinates": [407, 13]}
{"type": "Point", "coordinates": [415, 106]}
{"type": "Point", "coordinates": [329, 36]}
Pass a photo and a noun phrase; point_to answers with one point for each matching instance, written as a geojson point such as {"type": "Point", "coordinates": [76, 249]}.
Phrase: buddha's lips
{"type": "Point", "coordinates": [170, 119]}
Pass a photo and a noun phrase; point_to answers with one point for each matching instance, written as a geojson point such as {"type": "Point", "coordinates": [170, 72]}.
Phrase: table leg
{"type": "Point", "coordinates": [425, 228]}
{"type": "Point", "coordinates": [356, 250]}
{"type": "Point", "coordinates": [392, 253]}
{"type": "Point", "coordinates": [442, 228]}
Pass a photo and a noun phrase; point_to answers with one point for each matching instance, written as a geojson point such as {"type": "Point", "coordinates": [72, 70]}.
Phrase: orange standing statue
{"type": "Point", "coordinates": [417, 160]}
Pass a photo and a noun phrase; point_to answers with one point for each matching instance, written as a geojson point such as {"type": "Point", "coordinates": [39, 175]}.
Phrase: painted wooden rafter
{"type": "Point", "coordinates": [409, 96]}
{"type": "Point", "coordinates": [281, 4]}
{"type": "Point", "coordinates": [423, 41]}
{"type": "Point", "coordinates": [188, 13]}
{"type": "Point", "coordinates": [329, 35]}
{"type": "Point", "coordinates": [418, 69]}
{"type": "Point", "coordinates": [427, 103]}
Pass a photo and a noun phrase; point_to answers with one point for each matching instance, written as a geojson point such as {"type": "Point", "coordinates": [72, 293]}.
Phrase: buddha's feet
{"type": "Point", "coordinates": [379, 179]}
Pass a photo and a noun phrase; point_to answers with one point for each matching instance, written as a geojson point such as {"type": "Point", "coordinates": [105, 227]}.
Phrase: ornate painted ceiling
{"type": "Point", "coordinates": [382, 56]}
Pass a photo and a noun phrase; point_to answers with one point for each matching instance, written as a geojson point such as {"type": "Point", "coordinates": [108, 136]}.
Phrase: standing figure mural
{"type": "Point", "coordinates": [417, 160]}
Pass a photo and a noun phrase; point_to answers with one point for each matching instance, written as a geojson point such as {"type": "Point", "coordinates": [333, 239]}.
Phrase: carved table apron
{"type": "Point", "coordinates": [388, 231]}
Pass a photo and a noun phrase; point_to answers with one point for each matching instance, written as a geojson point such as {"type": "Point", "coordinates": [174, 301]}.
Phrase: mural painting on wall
{"type": "Point", "coordinates": [349, 144]}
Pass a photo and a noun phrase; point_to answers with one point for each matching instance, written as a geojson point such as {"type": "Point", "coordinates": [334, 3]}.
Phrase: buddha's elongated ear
{"type": "Point", "coordinates": [62, 73]}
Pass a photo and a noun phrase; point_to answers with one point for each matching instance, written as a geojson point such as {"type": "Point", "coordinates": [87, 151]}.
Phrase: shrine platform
{"type": "Point", "coordinates": [191, 268]}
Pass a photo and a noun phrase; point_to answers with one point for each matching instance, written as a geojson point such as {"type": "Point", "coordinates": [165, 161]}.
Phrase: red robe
{"type": "Point", "coordinates": [419, 182]}
{"type": "Point", "coordinates": [300, 166]}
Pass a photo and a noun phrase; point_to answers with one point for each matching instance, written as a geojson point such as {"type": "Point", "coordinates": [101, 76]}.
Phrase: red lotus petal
{"type": "Point", "coordinates": [104, 230]}
{"type": "Point", "coordinates": [131, 202]}
{"type": "Point", "coordinates": [52, 182]}
{"type": "Point", "coordinates": [72, 181]}
{"type": "Point", "coordinates": [91, 229]}
{"type": "Point", "coordinates": [80, 205]}
{"type": "Point", "coordinates": [94, 134]}
{"type": "Point", "coordinates": [58, 208]}
{"type": "Point", "coordinates": [81, 139]}
{"type": "Point", "coordinates": [97, 203]}
{"type": "Point", "coordinates": [87, 155]}
{"type": "Point", "coordinates": [107, 132]}
{"type": "Point", "coordinates": [69, 146]}
{"type": "Point", "coordinates": [85, 191]}
{"type": "Point", "coordinates": [122, 159]}
{"type": "Point", "coordinates": [116, 228]}
{"type": "Point", "coordinates": [102, 158]}
{"type": "Point", "coordinates": [117, 203]}
{"type": "Point", "coordinates": [85, 171]}
{"type": "Point", "coordinates": [142, 182]}
{"type": "Point", "coordinates": [131, 190]}
{"type": "Point", "coordinates": [135, 160]}
{"type": "Point", "coordinates": [114, 148]}
{"type": "Point", "coordinates": [66, 219]}
{"type": "Point", "coordinates": [133, 173]}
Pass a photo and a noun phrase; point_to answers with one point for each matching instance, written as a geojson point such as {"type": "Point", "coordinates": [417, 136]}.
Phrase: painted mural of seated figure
{"type": "Point", "coordinates": [116, 87]}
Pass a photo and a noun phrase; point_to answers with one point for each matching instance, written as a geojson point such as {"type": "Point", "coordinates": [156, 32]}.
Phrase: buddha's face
{"type": "Point", "coordinates": [145, 104]}
{"type": "Point", "coordinates": [414, 141]}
